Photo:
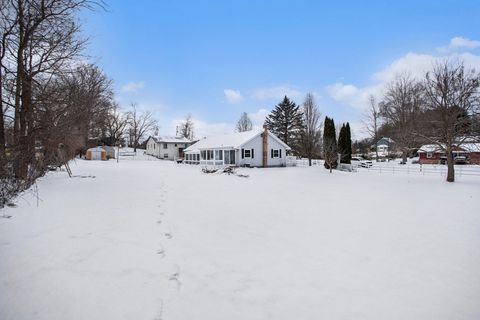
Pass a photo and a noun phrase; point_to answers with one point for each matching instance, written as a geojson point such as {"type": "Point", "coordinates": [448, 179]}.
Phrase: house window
{"type": "Point", "coordinates": [165, 155]}
{"type": "Point", "coordinates": [154, 146]}
{"type": "Point", "coordinates": [175, 144]}
{"type": "Point", "coordinates": [218, 154]}
{"type": "Point", "coordinates": [209, 154]}
{"type": "Point", "coordinates": [275, 153]}
{"type": "Point", "coordinates": [165, 146]}
{"type": "Point", "coordinates": [429, 155]}
{"type": "Point", "coordinates": [247, 153]}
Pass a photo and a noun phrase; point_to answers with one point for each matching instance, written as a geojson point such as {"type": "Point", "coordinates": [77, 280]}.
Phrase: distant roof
{"type": "Point", "coordinates": [430, 148]}
{"type": "Point", "coordinates": [469, 147]}
{"type": "Point", "coordinates": [231, 140]}
{"type": "Point", "coordinates": [160, 139]}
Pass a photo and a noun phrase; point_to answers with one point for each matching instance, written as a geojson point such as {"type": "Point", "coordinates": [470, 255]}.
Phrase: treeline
{"type": "Point", "coordinates": [442, 108]}
{"type": "Point", "coordinates": [52, 102]}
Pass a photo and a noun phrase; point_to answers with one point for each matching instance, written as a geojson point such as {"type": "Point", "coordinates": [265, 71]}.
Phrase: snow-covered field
{"type": "Point", "coordinates": [145, 239]}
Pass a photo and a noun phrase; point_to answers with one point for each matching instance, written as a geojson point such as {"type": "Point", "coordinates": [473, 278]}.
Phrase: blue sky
{"type": "Point", "coordinates": [216, 59]}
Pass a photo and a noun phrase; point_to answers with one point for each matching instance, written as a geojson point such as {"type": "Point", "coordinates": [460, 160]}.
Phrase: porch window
{"type": "Point", "coordinates": [218, 154]}
{"type": "Point", "coordinates": [204, 154]}
{"type": "Point", "coordinates": [209, 154]}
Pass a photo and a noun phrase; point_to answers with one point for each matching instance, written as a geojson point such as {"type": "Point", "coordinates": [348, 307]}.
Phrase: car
{"type": "Point", "coordinates": [361, 162]}
{"type": "Point", "coordinates": [460, 160]}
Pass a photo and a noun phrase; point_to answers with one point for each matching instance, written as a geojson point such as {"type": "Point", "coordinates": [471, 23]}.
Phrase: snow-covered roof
{"type": "Point", "coordinates": [165, 139]}
{"type": "Point", "coordinates": [230, 140]}
{"type": "Point", "coordinates": [430, 148]}
{"type": "Point", "coordinates": [468, 147]}
{"type": "Point", "coordinates": [471, 147]}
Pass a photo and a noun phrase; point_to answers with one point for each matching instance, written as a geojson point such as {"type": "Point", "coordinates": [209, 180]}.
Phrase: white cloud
{"type": "Point", "coordinates": [233, 96]}
{"type": "Point", "coordinates": [258, 117]}
{"type": "Point", "coordinates": [352, 95]}
{"type": "Point", "coordinates": [277, 92]}
{"type": "Point", "coordinates": [457, 43]}
{"type": "Point", "coordinates": [413, 64]}
{"type": "Point", "coordinates": [133, 86]}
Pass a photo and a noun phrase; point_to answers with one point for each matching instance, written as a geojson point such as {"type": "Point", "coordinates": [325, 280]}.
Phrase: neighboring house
{"type": "Point", "coordinates": [168, 148]}
{"type": "Point", "coordinates": [466, 153]}
{"type": "Point", "coordinates": [255, 148]}
{"type": "Point", "coordinates": [384, 146]}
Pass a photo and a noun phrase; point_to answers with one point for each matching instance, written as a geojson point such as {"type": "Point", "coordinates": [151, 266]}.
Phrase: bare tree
{"type": "Point", "coordinates": [452, 103]}
{"type": "Point", "coordinates": [141, 123]}
{"type": "Point", "coordinates": [372, 122]}
{"type": "Point", "coordinates": [244, 123]}
{"type": "Point", "coordinates": [187, 128]}
{"type": "Point", "coordinates": [400, 109]}
{"type": "Point", "coordinates": [310, 135]}
{"type": "Point", "coordinates": [116, 125]}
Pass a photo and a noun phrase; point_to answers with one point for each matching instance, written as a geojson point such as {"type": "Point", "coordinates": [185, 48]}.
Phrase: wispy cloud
{"type": "Point", "coordinates": [277, 92]}
{"type": "Point", "coordinates": [458, 43]}
{"type": "Point", "coordinates": [133, 86]}
{"type": "Point", "coordinates": [233, 96]}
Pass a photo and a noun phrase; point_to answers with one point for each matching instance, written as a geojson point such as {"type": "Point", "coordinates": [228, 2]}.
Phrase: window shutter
{"type": "Point", "coordinates": [243, 153]}
{"type": "Point", "coordinates": [271, 153]}
{"type": "Point", "coordinates": [280, 153]}
{"type": "Point", "coordinates": [252, 153]}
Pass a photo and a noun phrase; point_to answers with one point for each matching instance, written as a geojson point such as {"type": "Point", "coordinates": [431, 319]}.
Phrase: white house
{"type": "Point", "coordinates": [255, 148]}
{"type": "Point", "coordinates": [168, 148]}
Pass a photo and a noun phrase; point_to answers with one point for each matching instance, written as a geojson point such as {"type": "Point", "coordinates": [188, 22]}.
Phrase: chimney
{"type": "Point", "coordinates": [265, 146]}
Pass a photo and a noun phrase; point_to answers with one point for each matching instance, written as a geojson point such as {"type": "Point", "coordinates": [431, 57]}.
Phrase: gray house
{"type": "Point", "coordinates": [168, 148]}
{"type": "Point", "coordinates": [255, 148]}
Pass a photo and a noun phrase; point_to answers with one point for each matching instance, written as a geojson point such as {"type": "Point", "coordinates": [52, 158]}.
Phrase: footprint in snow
{"type": "Point", "coordinates": [168, 235]}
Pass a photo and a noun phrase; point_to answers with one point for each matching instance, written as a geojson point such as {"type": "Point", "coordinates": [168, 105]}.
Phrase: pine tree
{"type": "Point", "coordinates": [285, 121]}
{"type": "Point", "coordinates": [342, 143]}
{"type": "Point", "coordinates": [348, 144]}
{"type": "Point", "coordinates": [345, 144]}
{"type": "Point", "coordinates": [329, 144]}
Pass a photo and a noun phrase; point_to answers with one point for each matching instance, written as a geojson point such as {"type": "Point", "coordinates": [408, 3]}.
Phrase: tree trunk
{"type": "Point", "coordinates": [404, 157]}
{"type": "Point", "coordinates": [450, 166]}
{"type": "Point", "coordinates": [2, 129]}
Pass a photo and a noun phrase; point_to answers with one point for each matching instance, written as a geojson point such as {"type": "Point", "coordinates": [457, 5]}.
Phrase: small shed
{"type": "Point", "coordinates": [97, 153]}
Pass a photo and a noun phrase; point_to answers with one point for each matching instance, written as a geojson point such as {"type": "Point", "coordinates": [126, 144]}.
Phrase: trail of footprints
{"type": "Point", "coordinates": [174, 277]}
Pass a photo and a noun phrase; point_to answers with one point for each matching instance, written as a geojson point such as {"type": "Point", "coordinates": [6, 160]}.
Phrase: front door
{"type": "Point", "coordinates": [229, 156]}
{"type": "Point", "coordinates": [180, 152]}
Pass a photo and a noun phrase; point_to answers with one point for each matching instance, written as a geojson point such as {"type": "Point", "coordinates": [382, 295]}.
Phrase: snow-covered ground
{"type": "Point", "coordinates": [144, 239]}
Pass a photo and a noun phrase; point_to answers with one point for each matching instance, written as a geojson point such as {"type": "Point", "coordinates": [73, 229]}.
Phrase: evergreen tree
{"type": "Point", "coordinates": [348, 144]}
{"type": "Point", "coordinates": [329, 144]}
{"type": "Point", "coordinates": [285, 121]}
{"type": "Point", "coordinates": [345, 144]}
{"type": "Point", "coordinates": [342, 143]}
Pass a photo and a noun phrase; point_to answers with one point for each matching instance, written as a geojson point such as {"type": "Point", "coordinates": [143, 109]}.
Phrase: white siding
{"type": "Point", "coordinates": [256, 145]}
{"type": "Point", "coordinates": [157, 149]}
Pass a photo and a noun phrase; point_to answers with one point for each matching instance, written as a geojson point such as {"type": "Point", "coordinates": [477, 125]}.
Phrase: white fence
{"type": "Point", "coordinates": [303, 162]}
{"type": "Point", "coordinates": [394, 168]}
{"type": "Point", "coordinates": [425, 169]}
